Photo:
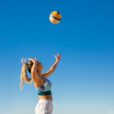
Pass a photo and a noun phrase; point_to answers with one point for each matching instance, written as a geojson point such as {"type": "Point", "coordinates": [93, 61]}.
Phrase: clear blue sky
{"type": "Point", "coordinates": [84, 80]}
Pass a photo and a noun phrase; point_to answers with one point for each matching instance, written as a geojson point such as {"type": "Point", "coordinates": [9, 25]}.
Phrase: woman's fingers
{"type": "Point", "coordinates": [58, 57]}
{"type": "Point", "coordinates": [31, 59]}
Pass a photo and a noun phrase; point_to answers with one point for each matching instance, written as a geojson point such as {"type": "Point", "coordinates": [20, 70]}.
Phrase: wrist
{"type": "Point", "coordinates": [57, 61]}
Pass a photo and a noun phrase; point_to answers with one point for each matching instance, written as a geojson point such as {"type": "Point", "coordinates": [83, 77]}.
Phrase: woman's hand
{"type": "Point", "coordinates": [58, 57]}
{"type": "Point", "coordinates": [35, 63]}
{"type": "Point", "coordinates": [33, 60]}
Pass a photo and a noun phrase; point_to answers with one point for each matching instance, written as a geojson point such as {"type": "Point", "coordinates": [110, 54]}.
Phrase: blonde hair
{"type": "Point", "coordinates": [23, 77]}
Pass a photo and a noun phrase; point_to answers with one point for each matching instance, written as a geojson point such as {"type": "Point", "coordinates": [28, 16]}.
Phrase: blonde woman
{"type": "Point", "coordinates": [41, 83]}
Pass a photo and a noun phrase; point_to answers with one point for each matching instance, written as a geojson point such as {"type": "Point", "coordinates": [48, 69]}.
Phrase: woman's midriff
{"type": "Point", "coordinates": [49, 97]}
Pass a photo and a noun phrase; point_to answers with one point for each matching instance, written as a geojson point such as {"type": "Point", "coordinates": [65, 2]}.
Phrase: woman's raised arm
{"type": "Point", "coordinates": [34, 72]}
{"type": "Point", "coordinates": [53, 67]}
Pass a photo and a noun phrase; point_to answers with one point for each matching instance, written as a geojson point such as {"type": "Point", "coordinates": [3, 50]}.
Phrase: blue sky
{"type": "Point", "coordinates": [83, 83]}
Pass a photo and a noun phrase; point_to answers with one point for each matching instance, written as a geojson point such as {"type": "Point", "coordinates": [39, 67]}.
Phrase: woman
{"type": "Point", "coordinates": [41, 83]}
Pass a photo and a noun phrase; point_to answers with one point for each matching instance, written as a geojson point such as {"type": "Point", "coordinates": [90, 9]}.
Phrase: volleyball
{"type": "Point", "coordinates": [55, 17]}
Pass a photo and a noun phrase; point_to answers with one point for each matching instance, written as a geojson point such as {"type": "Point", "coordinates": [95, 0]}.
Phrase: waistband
{"type": "Point", "coordinates": [45, 100]}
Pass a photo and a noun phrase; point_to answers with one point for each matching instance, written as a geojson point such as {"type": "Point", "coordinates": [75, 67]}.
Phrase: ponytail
{"type": "Point", "coordinates": [23, 77]}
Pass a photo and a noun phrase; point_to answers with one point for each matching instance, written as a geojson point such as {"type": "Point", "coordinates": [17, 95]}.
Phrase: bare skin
{"type": "Point", "coordinates": [36, 72]}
